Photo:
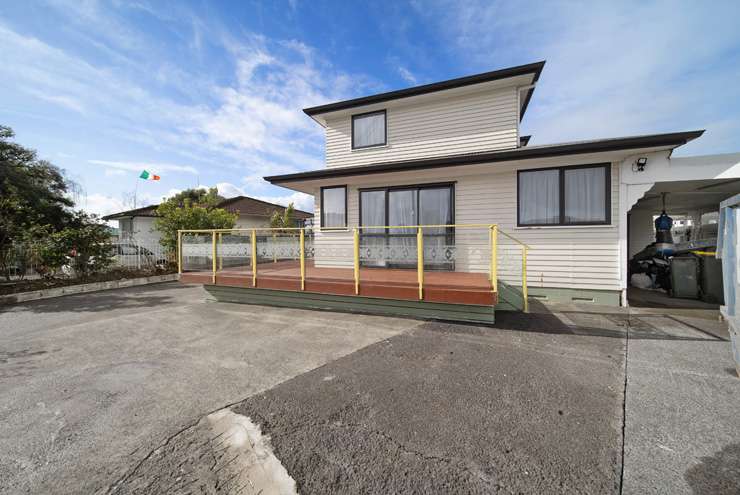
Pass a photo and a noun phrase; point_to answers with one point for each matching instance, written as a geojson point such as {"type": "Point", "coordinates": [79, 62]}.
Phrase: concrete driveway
{"type": "Point", "coordinates": [90, 384]}
{"type": "Point", "coordinates": [145, 391]}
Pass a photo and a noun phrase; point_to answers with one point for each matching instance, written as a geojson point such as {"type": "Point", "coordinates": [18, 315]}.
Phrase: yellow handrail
{"type": "Point", "coordinates": [179, 251]}
{"type": "Point", "coordinates": [221, 258]}
{"type": "Point", "coordinates": [356, 251]}
{"type": "Point", "coordinates": [362, 227]}
{"type": "Point", "coordinates": [420, 261]}
{"type": "Point", "coordinates": [213, 255]}
{"type": "Point", "coordinates": [254, 258]}
{"type": "Point", "coordinates": [524, 279]}
{"type": "Point", "coordinates": [303, 261]}
{"type": "Point", "coordinates": [494, 258]}
{"type": "Point", "coordinates": [217, 237]}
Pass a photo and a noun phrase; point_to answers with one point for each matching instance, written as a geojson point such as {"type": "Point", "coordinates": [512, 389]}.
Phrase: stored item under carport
{"type": "Point", "coordinates": [685, 277]}
{"type": "Point", "coordinates": [711, 279]}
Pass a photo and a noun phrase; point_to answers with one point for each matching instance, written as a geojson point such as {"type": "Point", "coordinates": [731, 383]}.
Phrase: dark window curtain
{"type": "Point", "coordinates": [369, 130]}
{"type": "Point", "coordinates": [585, 195]}
{"type": "Point", "coordinates": [539, 197]}
{"type": "Point", "coordinates": [333, 207]}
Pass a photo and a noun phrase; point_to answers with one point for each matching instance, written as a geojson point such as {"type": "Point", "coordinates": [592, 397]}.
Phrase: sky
{"type": "Point", "coordinates": [211, 93]}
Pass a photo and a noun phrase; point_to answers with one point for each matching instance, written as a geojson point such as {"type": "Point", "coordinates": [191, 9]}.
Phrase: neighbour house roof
{"type": "Point", "coordinates": [670, 140]}
{"type": "Point", "coordinates": [243, 205]}
{"type": "Point", "coordinates": [534, 69]}
{"type": "Point", "coordinates": [258, 208]}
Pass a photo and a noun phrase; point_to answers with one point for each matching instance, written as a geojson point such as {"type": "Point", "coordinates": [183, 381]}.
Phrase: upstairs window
{"type": "Point", "coordinates": [334, 207]}
{"type": "Point", "coordinates": [368, 130]}
{"type": "Point", "coordinates": [577, 195]}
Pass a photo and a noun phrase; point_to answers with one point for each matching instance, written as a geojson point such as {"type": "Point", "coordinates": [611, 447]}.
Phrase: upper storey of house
{"type": "Point", "coordinates": [466, 115]}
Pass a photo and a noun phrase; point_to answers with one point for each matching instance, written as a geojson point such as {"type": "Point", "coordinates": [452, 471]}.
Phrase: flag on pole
{"type": "Point", "coordinates": [148, 176]}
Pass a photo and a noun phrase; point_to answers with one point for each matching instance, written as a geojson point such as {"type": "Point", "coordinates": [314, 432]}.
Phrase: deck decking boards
{"type": "Point", "coordinates": [396, 284]}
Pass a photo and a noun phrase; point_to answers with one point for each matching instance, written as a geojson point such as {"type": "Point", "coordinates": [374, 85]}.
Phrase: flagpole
{"type": "Point", "coordinates": [136, 188]}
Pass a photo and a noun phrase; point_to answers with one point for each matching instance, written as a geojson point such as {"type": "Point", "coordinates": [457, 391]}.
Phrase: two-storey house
{"type": "Point", "coordinates": [438, 181]}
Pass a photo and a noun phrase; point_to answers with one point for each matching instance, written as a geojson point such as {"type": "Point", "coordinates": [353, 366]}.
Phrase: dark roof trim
{"type": "Point", "coordinates": [144, 211]}
{"type": "Point", "coordinates": [534, 68]}
{"type": "Point", "coordinates": [674, 139]}
{"type": "Point", "coordinates": [524, 140]}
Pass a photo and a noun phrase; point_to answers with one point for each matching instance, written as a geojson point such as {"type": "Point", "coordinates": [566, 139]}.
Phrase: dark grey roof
{"type": "Point", "coordinates": [673, 139]}
{"type": "Point", "coordinates": [244, 205]}
{"type": "Point", "coordinates": [535, 69]}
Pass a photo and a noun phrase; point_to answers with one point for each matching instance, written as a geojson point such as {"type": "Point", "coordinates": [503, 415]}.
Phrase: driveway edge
{"type": "Point", "coordinates": [83, 288]}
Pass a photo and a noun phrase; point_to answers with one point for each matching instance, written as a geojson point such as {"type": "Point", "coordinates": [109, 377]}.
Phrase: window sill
{"type": "Point", "coordinates": [369, 148]}
{"type": "Point", "coordinates": [330, 230]}
{"type": "Point", "coordinates": [536, 227]}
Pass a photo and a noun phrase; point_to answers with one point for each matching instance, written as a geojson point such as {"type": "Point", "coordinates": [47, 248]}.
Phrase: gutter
{"type": "Point", "coordinates": [524, 153]}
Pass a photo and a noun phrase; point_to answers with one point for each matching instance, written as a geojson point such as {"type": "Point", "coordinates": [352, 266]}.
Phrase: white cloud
{"type": "Point", "coordinates": [407, 76]}
{"type": "Point", "coordinates": [250, 121]}
{"type": "Point", "coordinates": [612, 68]}
{"type": "Point", "coordinates": [68, 102]}
{"type": "Point", "coordinates": [300, 200]}
{"type": "Point", "coordinates": [228, 190]}
{"type": "Point", "coordinates": [150, 167]}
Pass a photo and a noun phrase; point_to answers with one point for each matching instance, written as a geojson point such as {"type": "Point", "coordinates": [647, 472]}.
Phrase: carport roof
{"type": "Point", "coordinates": [671, 140]}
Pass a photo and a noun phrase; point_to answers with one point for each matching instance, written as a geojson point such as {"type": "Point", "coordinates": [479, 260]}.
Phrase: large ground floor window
{"type": "Point", "coordinates": [404, 206]}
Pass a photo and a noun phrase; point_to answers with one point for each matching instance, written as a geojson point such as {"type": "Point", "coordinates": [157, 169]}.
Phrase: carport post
{"type": "Point", "coordinates": [213, 254]}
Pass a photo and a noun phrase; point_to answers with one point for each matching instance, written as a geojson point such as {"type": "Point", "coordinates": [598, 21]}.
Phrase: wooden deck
{"type": "Point", "coordinates": [398, 284]}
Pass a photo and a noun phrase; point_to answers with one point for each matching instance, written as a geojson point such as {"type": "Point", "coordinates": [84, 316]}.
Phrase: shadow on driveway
{"type": "Point", "coordinates": [148, 296]}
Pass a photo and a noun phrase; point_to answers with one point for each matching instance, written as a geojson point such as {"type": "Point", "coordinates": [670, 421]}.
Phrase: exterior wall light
{"type": "Point", "coordinates": [639, 165]}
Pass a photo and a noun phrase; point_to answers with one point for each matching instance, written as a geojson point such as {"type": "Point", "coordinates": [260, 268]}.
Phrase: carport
{"type": "Point", "coordinates": [693, 206]}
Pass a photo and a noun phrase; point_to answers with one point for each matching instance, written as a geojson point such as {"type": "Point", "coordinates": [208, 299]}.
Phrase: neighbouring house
{"type": "Point", "coordinates": [451, 155]}
{"type": "Point", "coordinates": [137, 225]}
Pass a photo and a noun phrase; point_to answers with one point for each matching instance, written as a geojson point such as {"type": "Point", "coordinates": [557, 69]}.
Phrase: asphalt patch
{"type": "Point", "coordinates": [454, 409]}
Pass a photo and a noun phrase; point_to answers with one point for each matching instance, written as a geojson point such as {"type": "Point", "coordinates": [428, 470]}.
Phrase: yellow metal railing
{"type": "Point", "coordinates": [493, 245]}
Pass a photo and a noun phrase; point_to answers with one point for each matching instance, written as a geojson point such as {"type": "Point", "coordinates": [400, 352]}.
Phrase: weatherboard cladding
{"type": "Point", "coordinates": [477, 122]}
{"type": "Point", "coordinates": [568, 257]}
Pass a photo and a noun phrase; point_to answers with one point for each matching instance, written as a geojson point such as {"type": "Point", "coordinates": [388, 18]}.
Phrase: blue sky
{"type": "Point", "coordinates": [211, 93]}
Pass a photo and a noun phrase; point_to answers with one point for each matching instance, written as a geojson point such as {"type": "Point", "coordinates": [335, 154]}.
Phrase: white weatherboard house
{"type": "Point", "coordinates": [137, 225]}
{"type": "Point", "coordinates": [452, 153]}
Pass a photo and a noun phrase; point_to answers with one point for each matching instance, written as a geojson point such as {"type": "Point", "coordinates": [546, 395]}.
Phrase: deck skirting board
{"type": "Point", "coordinates": [354, 304]}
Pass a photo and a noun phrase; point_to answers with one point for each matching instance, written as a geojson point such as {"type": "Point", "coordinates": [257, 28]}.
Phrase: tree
{"type": "Point", "coordinates": [284, 221]}
{"type": "Point", "coordinates": [83, 247]}
{"type": "Point", "coordinates": [180, 212]}
{"type": "Point", "coordinates": [33, 192]}
{"type": "Point", "coordinates": [208, 198]}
